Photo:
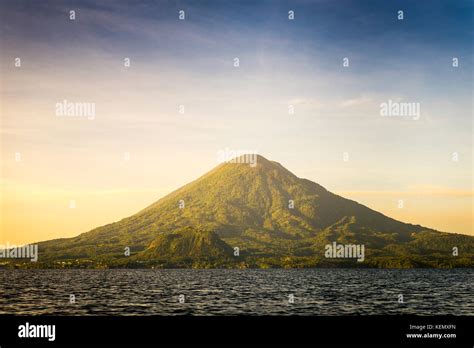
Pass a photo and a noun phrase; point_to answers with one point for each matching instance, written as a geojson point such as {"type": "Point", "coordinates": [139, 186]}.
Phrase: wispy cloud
{"type": "Point", "coordinates": [425, 190]}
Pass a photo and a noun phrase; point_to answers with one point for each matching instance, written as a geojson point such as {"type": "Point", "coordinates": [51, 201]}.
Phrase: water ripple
{"type": "Point", "coordinates": [237, 292]}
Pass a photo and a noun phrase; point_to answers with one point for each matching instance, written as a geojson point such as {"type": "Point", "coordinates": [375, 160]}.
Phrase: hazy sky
{"type": "Point", "coordinates": [191, 63]}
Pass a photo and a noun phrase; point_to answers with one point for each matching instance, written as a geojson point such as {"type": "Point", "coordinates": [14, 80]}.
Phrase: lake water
{"type": "Point", "coordinates": [237, 292]}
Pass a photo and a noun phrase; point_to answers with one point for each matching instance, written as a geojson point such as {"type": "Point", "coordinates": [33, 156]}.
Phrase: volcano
{"type": "Point", "coordinates": [241, 215]}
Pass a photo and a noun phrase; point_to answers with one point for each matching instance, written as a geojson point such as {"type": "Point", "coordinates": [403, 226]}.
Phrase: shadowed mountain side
{"type": "Point", "coordinates": [265, 210]}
